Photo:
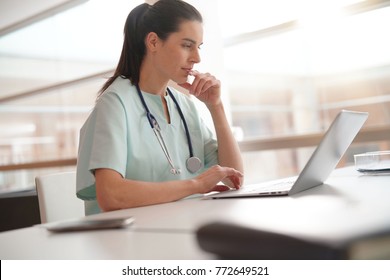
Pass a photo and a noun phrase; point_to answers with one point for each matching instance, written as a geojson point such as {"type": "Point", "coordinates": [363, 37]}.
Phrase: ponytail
{"type": "Point", "coordinates": [163, 18]}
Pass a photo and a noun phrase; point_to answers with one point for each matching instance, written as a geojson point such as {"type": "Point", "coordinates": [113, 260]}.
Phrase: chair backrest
{"type": "Point", "coordinates": [57, 197]}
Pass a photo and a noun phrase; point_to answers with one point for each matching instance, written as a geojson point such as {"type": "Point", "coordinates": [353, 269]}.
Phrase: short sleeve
{"type": "Point", "coordinates": [210, 146]}
{"type": "Point", "coordinates": [103, 143]}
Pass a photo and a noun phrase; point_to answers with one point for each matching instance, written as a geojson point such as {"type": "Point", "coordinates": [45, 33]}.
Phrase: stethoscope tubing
{"type": "Point", "coordinates": [160, 139]}
{"type": "Point", "coordinates": [157, 131]}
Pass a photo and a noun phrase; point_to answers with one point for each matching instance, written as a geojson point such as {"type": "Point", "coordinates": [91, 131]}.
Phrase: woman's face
{"type": "Point", "coordinates": [178, 54]}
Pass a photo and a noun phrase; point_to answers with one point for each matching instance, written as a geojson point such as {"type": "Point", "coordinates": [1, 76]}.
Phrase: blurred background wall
{"type": "Point", "coordinates": [287, 68]}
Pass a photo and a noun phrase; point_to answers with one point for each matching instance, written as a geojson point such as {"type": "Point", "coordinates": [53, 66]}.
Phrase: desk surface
{"type": "Point", "coordinates": [348, 204]}
{"type": "Point", "coordinates": [38, 243]}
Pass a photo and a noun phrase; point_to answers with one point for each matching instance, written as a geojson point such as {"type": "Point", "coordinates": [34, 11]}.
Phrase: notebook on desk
{"type": "Point", "coordinates": [322, 162]}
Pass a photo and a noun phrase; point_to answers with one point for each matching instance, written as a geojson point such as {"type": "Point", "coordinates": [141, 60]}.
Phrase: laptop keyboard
{"type": "Point", "coordinates": [275, 186]}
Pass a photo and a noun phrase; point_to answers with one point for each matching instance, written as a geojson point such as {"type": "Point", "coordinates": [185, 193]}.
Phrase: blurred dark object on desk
{"type": "Point", "coordinates": [19, 209]}
{"type": "Point", "coordinates": [231, 241]}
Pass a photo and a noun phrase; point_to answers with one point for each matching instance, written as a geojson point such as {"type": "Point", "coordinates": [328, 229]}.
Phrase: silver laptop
{"type": "Point", "coordinates": [322, 162]}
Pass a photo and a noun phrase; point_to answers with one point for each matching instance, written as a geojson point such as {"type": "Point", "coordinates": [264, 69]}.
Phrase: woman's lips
{"type": "Point", "coordinates": [188, 70]}
{"type": "Point", "coordinates": [190, 75]}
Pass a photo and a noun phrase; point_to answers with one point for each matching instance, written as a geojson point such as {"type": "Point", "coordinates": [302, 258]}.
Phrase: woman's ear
{"type": "Point", "coordinates": [151, 41]}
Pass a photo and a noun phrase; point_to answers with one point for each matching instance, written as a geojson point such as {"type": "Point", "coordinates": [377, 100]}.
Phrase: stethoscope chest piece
{"type": "Point", "coordinates": [193, 164]}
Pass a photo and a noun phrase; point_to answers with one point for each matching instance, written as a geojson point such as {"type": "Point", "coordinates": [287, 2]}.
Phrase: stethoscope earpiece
{"type": "Point", "coordinates": [193, 164]}
{"type": "Point", "coordinates": [175, 171]}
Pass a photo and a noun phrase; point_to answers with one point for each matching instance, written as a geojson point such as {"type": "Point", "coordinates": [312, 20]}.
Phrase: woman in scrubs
{"type": "Point", "coordinates": [145, 143]}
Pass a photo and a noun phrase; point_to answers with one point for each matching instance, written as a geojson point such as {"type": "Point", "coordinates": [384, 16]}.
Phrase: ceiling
{"type": "Point", "coordinates": [16, 14]}
{"type": "Point", "coordinates": [87, 40]}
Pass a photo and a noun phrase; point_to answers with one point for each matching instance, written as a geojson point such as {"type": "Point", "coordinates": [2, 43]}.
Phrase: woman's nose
{"type": "Point", "coordinates": [195, 56]}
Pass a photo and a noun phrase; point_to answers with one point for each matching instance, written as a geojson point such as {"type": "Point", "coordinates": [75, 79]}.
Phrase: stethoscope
{"type": "Point", "coordinates": [193, 163]}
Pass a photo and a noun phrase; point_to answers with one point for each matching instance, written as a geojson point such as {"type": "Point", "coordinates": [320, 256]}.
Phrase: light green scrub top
{"type": "Point", "coordinates": [117, 135]}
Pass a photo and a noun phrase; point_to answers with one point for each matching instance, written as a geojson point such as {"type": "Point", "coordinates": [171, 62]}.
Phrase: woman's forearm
{"type": "Point", "coordinates": [115, 192]}
{"type": "Point", "coordinates": [228, 151]}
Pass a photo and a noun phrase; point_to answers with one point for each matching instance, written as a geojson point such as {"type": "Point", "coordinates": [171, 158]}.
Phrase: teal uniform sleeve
{"type": "Point", "coordinates": [210, 147]}
{"type": "Point", "coordinates": [103, 143]}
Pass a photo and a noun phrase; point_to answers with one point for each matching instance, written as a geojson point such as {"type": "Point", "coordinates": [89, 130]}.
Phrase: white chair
{"type": "Point", "coordinates": [57, 197]}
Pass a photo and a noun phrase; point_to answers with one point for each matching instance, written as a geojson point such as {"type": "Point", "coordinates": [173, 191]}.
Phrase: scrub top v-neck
{"type": "Point", "coordinates": [117, 135]}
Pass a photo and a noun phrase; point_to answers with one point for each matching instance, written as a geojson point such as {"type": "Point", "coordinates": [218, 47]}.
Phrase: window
{"type": "Point", "coordinates": [292, 65]}
{"type": "Point", "coordinates": [287, 68]}
{"type": "Point", "coordinates": [50, 73]}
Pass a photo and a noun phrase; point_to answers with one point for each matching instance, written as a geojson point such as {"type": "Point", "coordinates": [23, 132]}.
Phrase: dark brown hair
{"type": "Point", "coordinates": [163, 18]}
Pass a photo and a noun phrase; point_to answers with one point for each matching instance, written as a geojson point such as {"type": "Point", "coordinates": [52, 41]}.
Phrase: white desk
{"type": "Point", "coordinates": [347, 204]}
{"type": "Point", "coordinates": [119, 244]}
